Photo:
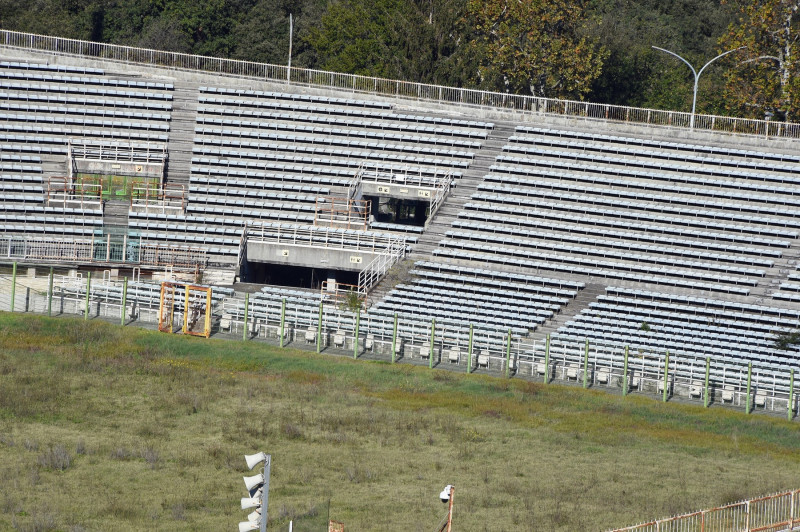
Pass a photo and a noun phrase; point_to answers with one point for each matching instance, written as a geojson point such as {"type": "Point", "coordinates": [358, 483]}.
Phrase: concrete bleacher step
{"type": "Point", "coordinates": [589, 294]}
{"type": "Point", "coordinates": [181, 138]}
{"type": "Point", "coordinates": [115, 213]}
{"type": "Point", "coordinates": [467, 185]}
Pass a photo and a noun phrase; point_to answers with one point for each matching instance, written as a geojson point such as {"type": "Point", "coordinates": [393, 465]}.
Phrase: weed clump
{"type": "Point", "coordinates": [56, 458]}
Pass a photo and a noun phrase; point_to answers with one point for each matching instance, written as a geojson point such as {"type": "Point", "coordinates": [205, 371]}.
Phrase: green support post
{"type": "Point", "coordinates": [246, 308]}
{"type": "Point", "coordinates": [625, 374]}
{"type": "Point", "coordinates": [13, 284]}
{"type": "Point", "coordinates": [430, 351]}
{"type": "Point", "coordinates": [319, 329]}
{"type": "Point", "coordinates": [790, 410]}
{"type": "Point", "coordinates": [706, 396]}
{"type": "Point", "coordinates": [508, 354]}
{"type": "Point", "coordinates": [394, 340]}
{"type": "Point", "coordinates": [665, 391]}
{"type": "Point", "coordinates": [283, 320]}
{"type": "Point", "coordinates": [124, 300]}
{"type": "Point", "coordinates": [50, 294]}
{"type": "Point", "coordinates": [547, 359]}
{"type": "Point", "coordinates": [355, 338]}
{"type": "Point", "coordinates": [586, 365]}
{"type": "Point", "coordinates": [747, 399]}
{"type": "Point", "coordinates": [88, 291]}
{"type": "Point", "coordinates": [469, 350]}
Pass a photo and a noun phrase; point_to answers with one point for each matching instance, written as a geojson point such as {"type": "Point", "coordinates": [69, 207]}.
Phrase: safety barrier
{"type": "Point", "coordinates": [395, 88]}
{"type": "Point", "coordinates": [773, 513]}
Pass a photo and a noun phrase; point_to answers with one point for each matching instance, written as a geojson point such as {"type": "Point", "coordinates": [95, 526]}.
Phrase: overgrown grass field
{"type": "Point", "coordinates": [103, 427]}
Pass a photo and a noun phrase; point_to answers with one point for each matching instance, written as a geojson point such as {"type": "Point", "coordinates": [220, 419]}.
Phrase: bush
{"type": "Point", "coordinates": [56, 458]}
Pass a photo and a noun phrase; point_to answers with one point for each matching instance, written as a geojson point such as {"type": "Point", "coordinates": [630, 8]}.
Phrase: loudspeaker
{"type": "Point", "coordinates": [254, 517]}
{"type": "Point", "coordinates": [254, 459]}
{"type": "Point", "coordinates": [247, 526]}
{"type": "Point", "coordinates": [250, 503]}
{"type": "Point", "coordinates": [254, 481]}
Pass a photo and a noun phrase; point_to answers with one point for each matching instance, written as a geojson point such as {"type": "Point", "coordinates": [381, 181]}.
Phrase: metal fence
{"type": "Point", "coordinates": [395, 88]}
{"type": "Point", "coordinates": [773, 513]}
{"type": "Point", "coordinates": [320, 322]}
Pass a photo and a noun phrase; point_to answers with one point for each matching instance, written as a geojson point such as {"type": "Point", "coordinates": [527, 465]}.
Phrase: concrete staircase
{"type": "Point", "coordinates": [181, 134]}
{"type": "Point", "coordinates": [774, 276]}
{"type": "Point", "coordinates": [115, 214]}
{"type": "Point", "coordinates": [569, 311]}
{"type": "Point", "coordinates": [466, 186]}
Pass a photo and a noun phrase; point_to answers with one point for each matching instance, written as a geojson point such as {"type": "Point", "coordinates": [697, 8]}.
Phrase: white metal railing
{"type": "Point", "coordinates": [404, 178]}
{"type": "Point", "coordinates": [772, 513]}
{"type": "Point", "coordinates": [439, 195]}
{"type": "Point", "coordinates": [100, 250]}
{"type": "Point", "coordinates": [96, 151]}
{"type": "Point", "coordinates": [377, 268]}
{"type": "Point", "coordinates": [395, 88]}
{"type": "Point", "coordinates": [152, 199]}
{"type": "Point", "coordinates": [311, 236]}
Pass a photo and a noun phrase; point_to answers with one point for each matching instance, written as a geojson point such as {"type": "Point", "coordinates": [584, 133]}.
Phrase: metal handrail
{"type": "Point", "coordinates": [396, 88]}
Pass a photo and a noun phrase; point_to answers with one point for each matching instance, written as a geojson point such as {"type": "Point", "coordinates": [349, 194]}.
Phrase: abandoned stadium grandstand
{"type": "Point", "coordinates": [541, 226]}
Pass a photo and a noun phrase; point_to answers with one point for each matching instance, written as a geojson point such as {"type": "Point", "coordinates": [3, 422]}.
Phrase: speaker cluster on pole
{"type": "Point", "coordinates": [258, 493]}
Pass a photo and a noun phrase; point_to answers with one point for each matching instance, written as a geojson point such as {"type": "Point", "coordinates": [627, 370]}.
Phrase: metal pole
{"type": "Point", "coordinates": [265, 493]}
{"type": "Point", "coordinates": [696, 74]}
{"type": "Point", "coordinates": [469, 350]}
{"type": "Point", "coordinates": [625, 374]}
{"type": "Point", "coordinates": [706, 397]}
{"type": "Point", "coordinates": [88, 289]}
{"type": "Point", "coordinates": [433, 338]}
{"type": "Point", "coordinates": [747, 399]}
{"type": "Point", "coordinates": [586, 365]}
{"type": "Point", "coordinates": [450, 510]}
{"type": "Point", "coordinates": [355, 338]}
{"type": "Point", "coordinates": [291, 31]}
{"type": "Point", "coordinates": [666, 378]}
{"type": "Point", "coordinates": [394, 339]}
{"type": "Point", "coordinates": [50, 294]}
{"type": "Point", "coordinates": [508, 354]}
{"type": "Point", "coordinates": [283, 319]}
{"type": "Point", "coordinates": [790, 412]}
{"type": "Point", "coordinates": [124, 300]}
{"type": "Point", "coordinates": [13, 284]}
{"type": "Point", "coordinates": [547, 359]}
{"type": "Point", "coordinates": [319, 329]}
{"type": "Point", "coordinates": [246, 308]}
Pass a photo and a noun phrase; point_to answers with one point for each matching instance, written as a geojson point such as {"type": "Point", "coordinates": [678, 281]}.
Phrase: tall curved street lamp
{"type": "Point", "coordinates": [696, 73]}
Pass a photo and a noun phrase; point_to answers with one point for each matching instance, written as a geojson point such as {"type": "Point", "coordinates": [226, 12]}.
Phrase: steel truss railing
{"type": "Point", "coordinates": [773, 513]}
{"type": "Point", "coordinates": [395, 88]}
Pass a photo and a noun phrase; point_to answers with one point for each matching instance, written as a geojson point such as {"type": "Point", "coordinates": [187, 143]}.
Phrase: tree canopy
{"type": "Point", "coordinates": [765, 82]}
{"type": "Point", "coordinates": [596, 50]}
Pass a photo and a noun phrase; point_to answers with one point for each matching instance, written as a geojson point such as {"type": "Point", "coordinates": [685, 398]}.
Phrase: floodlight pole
{"type": "Point", "coordinates": [696, 74]}
{"type": "Point", "coordinates": [289, 68]}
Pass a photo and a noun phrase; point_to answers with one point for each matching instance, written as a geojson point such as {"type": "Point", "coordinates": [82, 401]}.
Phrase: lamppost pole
{"type": "Point", "coordinates": [696, 74]}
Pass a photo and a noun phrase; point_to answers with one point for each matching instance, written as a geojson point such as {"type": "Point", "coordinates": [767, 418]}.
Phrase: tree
{"type": "Point", "coordinates": [766, 80]}
{"type": "Point", "coordinates": [533, 47]}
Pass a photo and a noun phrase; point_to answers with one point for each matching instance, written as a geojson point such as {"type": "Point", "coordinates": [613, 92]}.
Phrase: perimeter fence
{"type": "Point", "coordinates": [322, 322]}
{"type": "Point", "coordinates": [394, 88]}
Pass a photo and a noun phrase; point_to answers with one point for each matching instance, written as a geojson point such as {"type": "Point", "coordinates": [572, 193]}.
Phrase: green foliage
{"type": "Point", "coordinates": [599, 50]}
{"type": "Point", "coordinates": [533, 47]}
{"type": "Point", "coordinates": [785, 340]}
{"type": "Point", "coordinates": [767, 77]}
{"type": "Point", "coordinates": [351, 302]}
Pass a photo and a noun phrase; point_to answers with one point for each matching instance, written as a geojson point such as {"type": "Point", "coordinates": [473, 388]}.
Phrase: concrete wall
{"type": "Point", "coordinates": [310, 257]}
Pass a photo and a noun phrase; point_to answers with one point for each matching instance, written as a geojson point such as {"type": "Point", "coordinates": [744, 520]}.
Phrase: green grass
{"type": "Point", "coordinates": [103, 427]}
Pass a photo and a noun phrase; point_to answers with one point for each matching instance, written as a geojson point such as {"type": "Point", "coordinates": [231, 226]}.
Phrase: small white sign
{"type": "Point", "coordinates": [284, 253]}
{"type": "Point", "coordinates": [355, 259]}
